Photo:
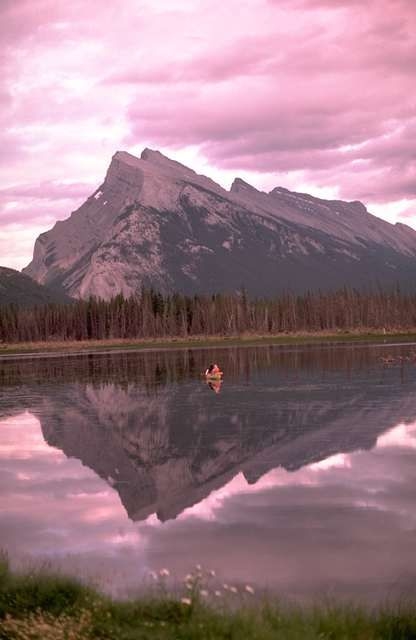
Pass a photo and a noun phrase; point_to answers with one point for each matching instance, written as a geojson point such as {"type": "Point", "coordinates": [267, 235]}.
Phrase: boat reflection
{"type": "Point", "coordinates": [214, 385]}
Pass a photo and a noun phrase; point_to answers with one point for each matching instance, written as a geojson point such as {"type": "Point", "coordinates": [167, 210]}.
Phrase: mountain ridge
{"type": "Point", "coordinates": [157, 223]}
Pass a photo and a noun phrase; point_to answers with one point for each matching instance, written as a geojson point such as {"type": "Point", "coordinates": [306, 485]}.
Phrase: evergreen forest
{"type": "Point", "coordinates": [153, 315]}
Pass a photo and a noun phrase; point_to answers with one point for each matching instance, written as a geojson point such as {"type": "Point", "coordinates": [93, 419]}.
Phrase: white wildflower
{"type": "Point", "coordinates": [218, 594]}
{"type": "Point", "coordinates": [249, 589]}
{"type": "Point", "coordinates": [187, 601]}
{"type": "Point", "coordinates": [164, 573]}
{"type": "Point", "coordinates": [203, 593]}
{"type": "Point", "coordinates": [233, 589]}
{"type": "Point", "coordinates": [212, 573]}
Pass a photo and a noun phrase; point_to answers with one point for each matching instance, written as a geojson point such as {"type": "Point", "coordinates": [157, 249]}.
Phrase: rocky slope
{"type": "Point", "coordinates": [17, 288]}
{"type": "Point", "coordinates": [154, 222]}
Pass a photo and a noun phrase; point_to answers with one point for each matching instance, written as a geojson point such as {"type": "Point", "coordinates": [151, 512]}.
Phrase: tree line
{"type": "Point", "coordinates": [153, 315]}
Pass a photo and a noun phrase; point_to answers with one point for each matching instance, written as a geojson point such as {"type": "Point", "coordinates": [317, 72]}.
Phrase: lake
{"type": "Point", "coordinates": [296, 474]}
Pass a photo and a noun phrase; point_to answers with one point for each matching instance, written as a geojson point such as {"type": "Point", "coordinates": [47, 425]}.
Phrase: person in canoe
{"type": "Point", "coordinates": [213, 372]}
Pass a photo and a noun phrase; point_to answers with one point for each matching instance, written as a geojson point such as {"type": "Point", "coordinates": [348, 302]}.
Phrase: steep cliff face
{"type": "Point", "coordinates": [154, 222]}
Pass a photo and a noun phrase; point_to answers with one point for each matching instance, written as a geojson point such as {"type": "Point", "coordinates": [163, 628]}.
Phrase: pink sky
{"type": "Point", "coordinates": [313, 95]}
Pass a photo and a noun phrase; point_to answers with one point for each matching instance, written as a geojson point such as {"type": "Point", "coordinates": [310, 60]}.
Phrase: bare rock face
{"type": "Point", "coordinates": [154, 222]}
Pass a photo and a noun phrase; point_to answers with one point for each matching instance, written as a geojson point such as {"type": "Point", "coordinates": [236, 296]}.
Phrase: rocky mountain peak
{"type": "Point", "coordinates": [241, 186]}
{"type": "Point", "coordinates": [126, 158]}
{"type": "Point", "coordinates": [278, 191]}
{"type": "Point", "coordinates": [124, 168]}
{"type": "Point", "coordinates": [358, 206]}
{"type": "Point", "coordinates": [165, 164]}
{"type": "Point", "coordinates": [154, 222]}
{"type": "Point", "coordinates": [151, 163]}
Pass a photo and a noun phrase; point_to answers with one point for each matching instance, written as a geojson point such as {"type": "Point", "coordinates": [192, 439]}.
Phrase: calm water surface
{"type": "Point", "coordinates": [297, 473]}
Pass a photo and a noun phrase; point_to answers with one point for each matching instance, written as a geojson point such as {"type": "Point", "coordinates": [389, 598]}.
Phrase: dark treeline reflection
{"type": "Point", "coordinates": [155, 368]}
{"type": "Point", "coordinates": [154, 315]}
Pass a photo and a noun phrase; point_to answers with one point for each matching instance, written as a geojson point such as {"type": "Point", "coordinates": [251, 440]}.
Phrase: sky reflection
{"type": "Point", "coordinates": [345, 524]}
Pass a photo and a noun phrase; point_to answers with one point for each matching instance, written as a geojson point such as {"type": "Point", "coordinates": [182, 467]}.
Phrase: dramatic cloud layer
{"type": "Point", "coordinates": [314, 95]}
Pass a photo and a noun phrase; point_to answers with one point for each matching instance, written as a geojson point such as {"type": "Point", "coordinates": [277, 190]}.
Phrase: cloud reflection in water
{"type": "Point", "coordinates": [342, 524]}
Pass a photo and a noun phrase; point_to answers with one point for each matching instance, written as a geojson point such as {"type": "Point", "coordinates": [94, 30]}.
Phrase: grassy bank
{"type": "Point", "coordinates": [46, 607]}
{"type": "Point", "coordinates": [179, 342]}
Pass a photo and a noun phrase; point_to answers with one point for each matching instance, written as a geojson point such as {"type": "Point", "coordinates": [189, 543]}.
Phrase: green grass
{"type": "Point", "coordinates": [204, 341]}
{"type": "Point", "coordinates": [40, 606]}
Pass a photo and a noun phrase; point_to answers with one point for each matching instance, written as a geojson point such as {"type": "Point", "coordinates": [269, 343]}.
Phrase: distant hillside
{"type": "Point", "coordinates": [17, 288]}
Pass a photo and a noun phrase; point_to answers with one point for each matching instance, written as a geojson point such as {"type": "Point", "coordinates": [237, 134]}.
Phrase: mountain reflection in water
{"type": "Point", "coordinates": [285, 422]}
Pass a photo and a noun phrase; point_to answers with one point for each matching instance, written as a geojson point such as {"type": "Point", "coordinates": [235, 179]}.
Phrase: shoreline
{"type": "Point", "coordinates": [84, 347]}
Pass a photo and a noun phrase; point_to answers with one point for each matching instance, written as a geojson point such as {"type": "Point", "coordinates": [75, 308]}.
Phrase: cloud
{"type": "Point", "coordinates": [318, 91]}
{"type": "Point", "coordinates": [26, 210]}
{"type": "Point", "coordinates": [48, 190]}
{"type": "Point", "coordinates": [408, 213]}
{"type": "Point", "coordinates": [39, 204]}
{"type": "Point", "coordinates": [332, 103]}
{"type": "Point", "coordinates": [341, 525]}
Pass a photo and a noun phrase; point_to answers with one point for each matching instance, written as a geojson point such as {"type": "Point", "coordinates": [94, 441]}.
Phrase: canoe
{"type": "Point", "coordinates": [216, 376]}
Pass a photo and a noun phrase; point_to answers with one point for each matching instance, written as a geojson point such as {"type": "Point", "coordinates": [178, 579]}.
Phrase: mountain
{"type": "Point", "coordinates": [154, 222]}
{"type": "Point", "coordinates": [17, 288]}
